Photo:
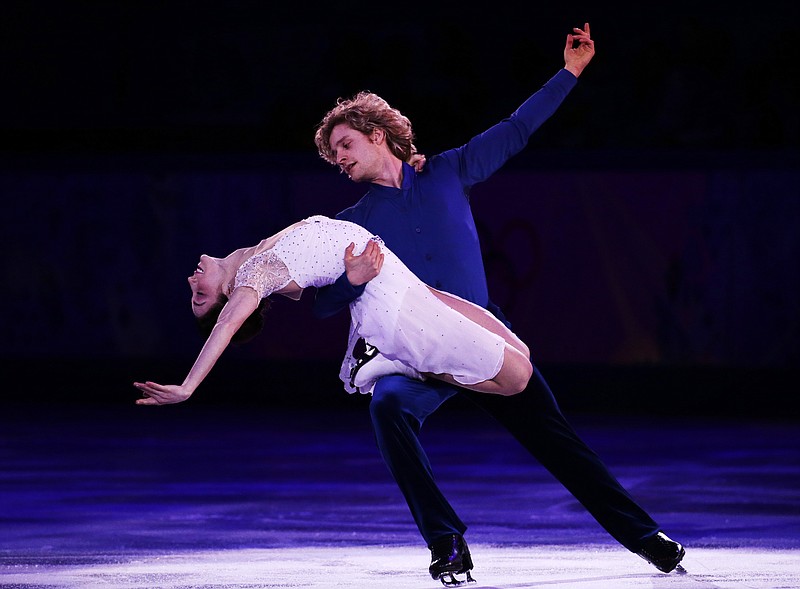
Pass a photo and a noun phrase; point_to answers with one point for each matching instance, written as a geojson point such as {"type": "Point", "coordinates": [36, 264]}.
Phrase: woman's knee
{"type": "Point", "coordinates": [518, 375]}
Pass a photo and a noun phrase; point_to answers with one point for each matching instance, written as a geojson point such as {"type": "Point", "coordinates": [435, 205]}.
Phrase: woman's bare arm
{"type": "Point", "coordinates": [239, 307]}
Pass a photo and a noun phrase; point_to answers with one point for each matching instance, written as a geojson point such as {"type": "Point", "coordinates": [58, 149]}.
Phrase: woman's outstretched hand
{"type": "Point", "coordinates": [159, 394]}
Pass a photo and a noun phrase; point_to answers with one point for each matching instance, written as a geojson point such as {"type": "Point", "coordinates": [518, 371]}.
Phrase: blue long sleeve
{"type": "Point", "coordinates": [334, 298]}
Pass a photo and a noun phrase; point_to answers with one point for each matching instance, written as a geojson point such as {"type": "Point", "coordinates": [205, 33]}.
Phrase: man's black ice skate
{"type": "Point", "coordinates": [663, 553]}
{"type": "Point", "coordinates": [450, 557]}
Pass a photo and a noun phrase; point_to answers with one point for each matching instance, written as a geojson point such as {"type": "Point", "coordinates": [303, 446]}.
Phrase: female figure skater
{"type": "Point", "coordinates": [419, 331]}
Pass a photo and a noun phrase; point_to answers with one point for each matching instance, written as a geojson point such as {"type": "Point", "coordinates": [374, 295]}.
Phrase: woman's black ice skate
{"type": "Point", "coordinates": [450, 557]}
{"type": "Point", "coordinates": [371, 365]}
{"type": "Point", "coordinates": [363, 353]}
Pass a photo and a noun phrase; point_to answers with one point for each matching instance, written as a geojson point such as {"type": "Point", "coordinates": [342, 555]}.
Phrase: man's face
{"type": "Point", "coordinates": [357, 154]}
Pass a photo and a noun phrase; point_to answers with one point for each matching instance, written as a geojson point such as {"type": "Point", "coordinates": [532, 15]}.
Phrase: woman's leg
{"type": "Point", "coordinates": [516, 370]}
{"type": "Point", "coordinates": [483, 318]}
{"type": "Point", "coordinates": [513, 377]}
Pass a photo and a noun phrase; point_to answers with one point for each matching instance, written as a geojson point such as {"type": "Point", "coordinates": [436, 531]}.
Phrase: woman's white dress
{"type": "Point", "coordinates": [397, 313]}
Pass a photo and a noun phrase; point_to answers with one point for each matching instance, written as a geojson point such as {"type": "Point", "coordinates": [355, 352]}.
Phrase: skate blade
{"type": "Point", "coordinates": [450, 580]}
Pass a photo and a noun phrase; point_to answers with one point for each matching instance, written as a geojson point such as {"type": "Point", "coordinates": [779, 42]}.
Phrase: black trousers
{"type": "Point", "coordinates": [400, 406]}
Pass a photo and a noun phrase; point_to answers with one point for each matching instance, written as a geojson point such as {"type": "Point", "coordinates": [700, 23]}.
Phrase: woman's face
{"type": "Point", "coordinates": [206, 283]}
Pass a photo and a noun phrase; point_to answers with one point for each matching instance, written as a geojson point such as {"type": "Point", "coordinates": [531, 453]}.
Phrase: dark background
{"type": "Point", "coordinates": [645, 243]}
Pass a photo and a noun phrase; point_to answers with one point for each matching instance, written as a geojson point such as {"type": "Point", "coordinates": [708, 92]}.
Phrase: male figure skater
{"type": "Point", "coordinates": [425, 218]}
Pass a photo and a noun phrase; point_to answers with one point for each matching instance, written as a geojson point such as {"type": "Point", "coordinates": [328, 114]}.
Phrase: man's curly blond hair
{"type": "Point", "coordinates": [366, 112]}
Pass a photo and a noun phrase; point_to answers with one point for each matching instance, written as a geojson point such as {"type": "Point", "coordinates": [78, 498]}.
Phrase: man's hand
{"type": "Point", "coordinates": [577, 58]}
{"type": "Point", "coordinates": [364, 267]}
{"type": "Point", "coordinates": [158, 394]}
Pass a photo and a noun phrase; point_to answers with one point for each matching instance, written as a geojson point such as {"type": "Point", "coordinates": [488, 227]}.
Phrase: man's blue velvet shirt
{"type": "Point", "coordinates": [428, 221]}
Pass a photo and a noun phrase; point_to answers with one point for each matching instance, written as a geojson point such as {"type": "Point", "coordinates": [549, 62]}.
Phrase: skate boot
{"type": "Point", "coordinates": [371, 365]}
{"type": "Point", "coordinates": [663, 553]}
{"type": "Point", "coordinates": [450, 557]}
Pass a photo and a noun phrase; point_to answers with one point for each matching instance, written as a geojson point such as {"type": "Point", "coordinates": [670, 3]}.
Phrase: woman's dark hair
{"type": "Point", "coordinates": [251, 327]}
